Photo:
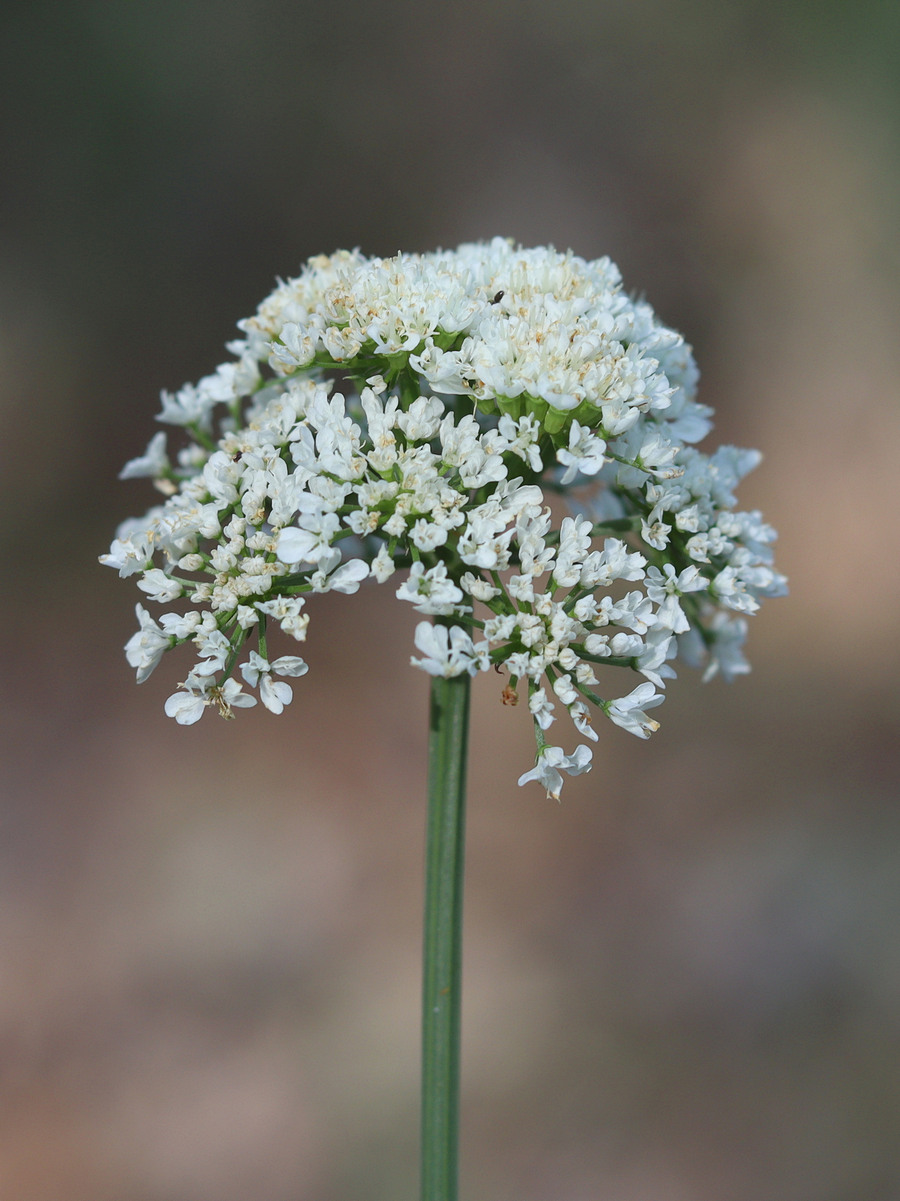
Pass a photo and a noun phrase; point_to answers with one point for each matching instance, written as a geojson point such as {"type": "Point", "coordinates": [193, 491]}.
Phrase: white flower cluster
{"type": "Point", "coordinates": [419, 415]}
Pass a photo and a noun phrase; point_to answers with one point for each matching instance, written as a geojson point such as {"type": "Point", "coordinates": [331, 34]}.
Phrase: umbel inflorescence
{"type": "Point", "coordinates": [411, 420]}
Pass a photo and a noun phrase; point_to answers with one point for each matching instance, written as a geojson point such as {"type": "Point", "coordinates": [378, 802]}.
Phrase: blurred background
{"type": "Point", "coordinates": [682, 983]}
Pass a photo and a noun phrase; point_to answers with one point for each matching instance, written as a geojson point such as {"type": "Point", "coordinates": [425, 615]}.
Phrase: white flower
{"type": "Point", "coordinates": [499, 629]}
{"type": "Point", "coordinates": [651, 659]}
{"type": "Point", "coordinates": [189, 406]}
{"type": "Point", "coordinates": [230, 695]}
{"type": "Point", "coordinates": [273, 694]}
{"type": "Point", "coordinates": [725, 653]}
{"type": "Point", "coordinates": [449, 651]}
{"type": "Point", "coordinates": [214, 650]}
{"type": "Point", "coordinates": [431, 591]}
{"type": "Point", "coordinates": [308, 544]}
{"type": "Point", "coordinates": [541, 708]}
{"type": "Point", "coordinates": [478, 587]}
{"type": "Point", "coordinates": [427, 535]}
{"type": "Point", "coordinates": [581, 719]}
{"type": "Point", "coordinates": [584, 453]}
{"type": "Point", "coordinates": [153, 463]}
{"type": "Point", "coordinates": [131, 551]}
{"type": "Point", "coordinates": [286, 610]}
{"type": "Point", "coordinates": [629, 711]}
{"type": "Point", "coordinates": [565, 690]}
{"type": "Point", "coordinates": [186, 625]}
{"type": "Point", "coordinates": [160, 587]}
{"type": "Point", "coordinates": [188, 706]}
{"type": "Point", "coordinates": [144, 649]}
{"type": "Point", "coordinates": [296, 348]}
{"type": "Point", "coordinates": [552, 761]}
{"type": "Point", "coordinates": [346, 577]}
{"type": "Point", "coordinates": [383, 566]}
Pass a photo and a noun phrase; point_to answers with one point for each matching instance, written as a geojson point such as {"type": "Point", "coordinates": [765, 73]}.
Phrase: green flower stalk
{"type": "Point", "coordinates": [442, 943]}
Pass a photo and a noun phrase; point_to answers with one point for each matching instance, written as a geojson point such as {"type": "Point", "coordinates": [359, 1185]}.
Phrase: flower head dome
{"type": "Point", "coordinates": [416, 415]}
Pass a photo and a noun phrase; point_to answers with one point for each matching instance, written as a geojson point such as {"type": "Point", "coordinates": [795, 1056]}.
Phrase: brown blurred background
{"type": "Point", "coordinates": [682, 983]}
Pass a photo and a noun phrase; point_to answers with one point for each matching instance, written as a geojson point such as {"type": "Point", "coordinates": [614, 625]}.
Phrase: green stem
{"type": "Point", "coordinates": [442, 954]}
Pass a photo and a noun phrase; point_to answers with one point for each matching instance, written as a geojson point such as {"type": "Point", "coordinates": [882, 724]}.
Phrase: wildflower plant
{"type": "Point", "coordinates": [423, 422]}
